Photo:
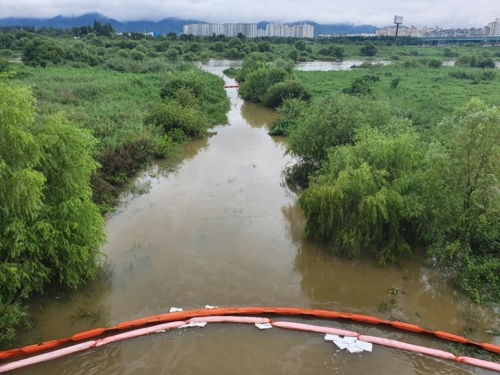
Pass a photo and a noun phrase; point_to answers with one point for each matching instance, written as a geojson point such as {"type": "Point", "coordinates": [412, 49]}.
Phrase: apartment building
{"type": "Point", "coordinates": [249, 30]}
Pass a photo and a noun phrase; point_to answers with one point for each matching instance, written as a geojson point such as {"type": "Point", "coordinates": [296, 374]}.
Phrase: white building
{"type": "Point", "coordinates": [403, 31]}
{"type": "Point", "coordinates": [493, 28]}
{"type": "Point", "coordinates": [299, 31]}
{"type": "Point", "coordinates": [249, 30]}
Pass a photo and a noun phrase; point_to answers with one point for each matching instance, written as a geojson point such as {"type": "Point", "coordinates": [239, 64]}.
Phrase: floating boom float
{"type": "Point", "coordinates": [179, 319]}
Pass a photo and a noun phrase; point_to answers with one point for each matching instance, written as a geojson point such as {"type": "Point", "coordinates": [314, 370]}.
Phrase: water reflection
{"type": "Point", "coordinates": [257, 116]}
{"type": "Point", "coordinates": [62, 315]}
{"type": "Point", "coordinates": [405, 291]}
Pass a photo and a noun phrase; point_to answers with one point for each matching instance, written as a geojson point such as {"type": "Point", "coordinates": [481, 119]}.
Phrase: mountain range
{"type": "Point", "coordinates": [166, 25]}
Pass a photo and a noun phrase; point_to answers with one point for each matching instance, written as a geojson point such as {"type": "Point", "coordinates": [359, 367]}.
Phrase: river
{"type": "Point", "coordinates": [223, 229]}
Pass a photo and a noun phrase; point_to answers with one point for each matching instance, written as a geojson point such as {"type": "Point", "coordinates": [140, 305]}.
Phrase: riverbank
{"type": "Point", "coordinates": [126, 121]}
{"type": "Point", "coordinates": [224, 229]}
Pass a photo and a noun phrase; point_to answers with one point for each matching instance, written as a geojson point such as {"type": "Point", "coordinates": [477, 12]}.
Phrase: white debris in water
{"type": "Point", "coordinates": [349, 340]}
{"type": "Point", "coordinates": [263, 325]}
{"type": "Point", "coordinates": [194, 324]}
{"type": "Point", "coordinates": [366, 346]}
{"type": "Point", "coordinates": [211, 307]}
{"type": "Point", "coordinates": [175, 309]}
{"type": "Point", "coordinates": [330, 337]}
{"type": "Point", "coordinates": [354, 349]}
{"type": "Point", "coordinates": [352, 344]}
{"type": "Point", "coordinates": [341, 344]}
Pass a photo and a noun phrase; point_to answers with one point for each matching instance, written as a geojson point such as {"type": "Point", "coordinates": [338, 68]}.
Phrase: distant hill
{"type": "Point", "coordinates": [166, 25]}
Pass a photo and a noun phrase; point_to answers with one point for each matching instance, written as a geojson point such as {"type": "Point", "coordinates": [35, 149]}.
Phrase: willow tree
{"type": "Point", "coordinates": [50, 230]}
{"type": "Point", "coordinates": [362, 199]}
{"type": "Point", "coordinates": [328, 123]}
{"type": "Point", "coordinates": [463, 197]}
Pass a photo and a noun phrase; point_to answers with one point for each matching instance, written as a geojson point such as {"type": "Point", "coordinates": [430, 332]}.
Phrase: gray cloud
{"type": "Point", "coordinates": [445, 13]}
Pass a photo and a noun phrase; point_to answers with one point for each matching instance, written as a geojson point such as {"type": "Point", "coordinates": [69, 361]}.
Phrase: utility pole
{"type": "Point", "coordinates": [398, 20]}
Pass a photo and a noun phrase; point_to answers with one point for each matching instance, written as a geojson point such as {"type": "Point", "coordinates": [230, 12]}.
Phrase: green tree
{"type": "Point", "coordinates": [219, 47]}
{"type": "Point", "coordinates": [251, 63]}
{"type": "Point", "coordinates": [333, 122]}
{"type": "Point", "coordinates": [337, 51]}
{"type": "Point", "coordinates": [368, 50]}
{"type": "Point", "coordinates": [294, 55]}
{"type": "Point", "coordinates": [361, 200]}
{"type": "Point", "coordinates": [460, 191]}
{"type": "Point", "coordinates": [468, 163]}
{"type": "Point", "coordinates": [434, 63]}
{"type": "Point", "coordinates": [41, 52]}
{"type": "Point", "coordinates": [265, 47]}
{"type": "Point", "coordinates": [257, 83]}
{"type": "Point", "coordinates": [325, 124]}
{"type": "Point", "coordinates": [289, 89]}
{"type": "Point", "coordinates": [50, 230]}
{"type": "Point", "coordinates": [172, 54]}
{"type": "Point", "coordinates": [300, 45]}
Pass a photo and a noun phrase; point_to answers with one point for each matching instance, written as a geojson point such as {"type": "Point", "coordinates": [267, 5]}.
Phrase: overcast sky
{"type": "Point", "coordinates": [444, 13]}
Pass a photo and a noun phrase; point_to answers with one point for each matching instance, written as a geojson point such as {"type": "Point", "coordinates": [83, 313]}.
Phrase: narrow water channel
{"type": "Point", "coordinates": [223, 229]}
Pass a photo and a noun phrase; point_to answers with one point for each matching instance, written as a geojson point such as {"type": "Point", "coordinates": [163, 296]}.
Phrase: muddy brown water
{"type": "Point", "coordinates": [223, 229]}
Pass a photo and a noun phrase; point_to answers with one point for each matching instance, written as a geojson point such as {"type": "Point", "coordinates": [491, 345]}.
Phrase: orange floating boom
{"type": "Point", "coordinates": [223, 315]}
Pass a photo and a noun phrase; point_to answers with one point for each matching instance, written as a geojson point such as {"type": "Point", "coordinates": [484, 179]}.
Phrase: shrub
{"type": "Point", "coordinates": [368, 50]}
{"type": "Point", "coordinates": [137, 55]}
{"type": "Point", "coordinates": [361, 86]}
{"type": "Point", "coordinates": [172, 115]}
{"type": "Point", "coordinates": [258, 82]}
{"type": "Point", "coordinates": [434, 63]}
{"type": "Point", "coordinates": [280, 91]}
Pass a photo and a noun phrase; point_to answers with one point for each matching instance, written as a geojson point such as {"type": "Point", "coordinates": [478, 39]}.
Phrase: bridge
{"type": "Point", "coordinates": [481, 39]}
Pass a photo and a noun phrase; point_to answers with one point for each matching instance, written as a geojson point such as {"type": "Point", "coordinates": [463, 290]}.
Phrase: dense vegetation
{"type": "Point", "coordinates": [269, 83]}
{"type": "Point", "coordinates": [395, 158]}
{"type": "Point", "coordinates": [388, 163]}
{"type": "Point", "coordinates": [51, 231]}
{"type": "Point", "coordinates": [75, 125]}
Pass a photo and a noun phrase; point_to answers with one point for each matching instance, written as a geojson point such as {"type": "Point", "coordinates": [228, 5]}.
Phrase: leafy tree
{"type": "Point", "coordinates": [361, 200]}
{"type": "Point", "coordinates": [7, 40]}
{"type": "Point", "coordinates": [288, 114]}
{"type": "Point", "coordinates": [368, 50]}
{"type": "Point", "coordinates": [265, 47]}
{"type": "Point", "coordinates": [434, 63]}
{"type": "Point", "coordinates": [172, 116]}
{"type": "Point", "coordinates": [460, 193]}
{"type": "Point", "coordinates": [41, 52]}
{"type": "Point", "coordinates": [337, 51]}
{"type": "Point", "coordinates": [235, 42]}
{"type": "Point", "coordinates": [290, 89]}
{"type": "Point", "coordinates": [103, 29]}
{"type": "Point", "coordinates": [329, 123]}
{"type": "Point", "coordinates": [172, 54]}
{"type": "Point", "coordinates": [300, 45]}
{"type": "Point", "coordinates": [50, 230]}
{"type": "Point", "coordinates": [137, 55]}
{"type": "Point", "coordinates": [257, 83]}
{"type": "Point", "coordinates": [294, 55]}
{"type": "Point", "coordinates": [251, 63]}
{"type": "Point", "coordinates": [195, 47]}
{"type": "Point", "coordinates": [468, 162]}
{"type": "Point", "coordinates": [219, 47]}
{"type": "Point", "coordinates": [172, 36]}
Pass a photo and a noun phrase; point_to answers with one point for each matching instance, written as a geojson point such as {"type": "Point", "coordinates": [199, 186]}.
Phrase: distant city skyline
{"type": "Point", "coordinates": [431, 13]}
{"type": "Point", "coordinates": [249, 30]}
